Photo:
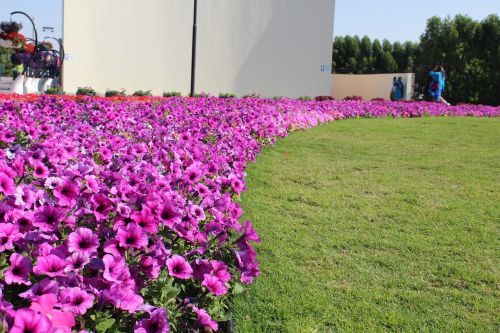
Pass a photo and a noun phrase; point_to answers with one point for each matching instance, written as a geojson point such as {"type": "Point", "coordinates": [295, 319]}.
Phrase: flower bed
{"type": "Point", "coordinates": [122, 214]}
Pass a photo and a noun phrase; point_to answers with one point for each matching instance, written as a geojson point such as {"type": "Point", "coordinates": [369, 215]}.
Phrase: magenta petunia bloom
{"type": "Point", "coordinates": [67, 193]}
{"type": "Point", "coordinates": [123, 298]}
{"type": "Point", "coordinates": [6, 184]}
{"type": "Point", "coordinates": [61, 321]}
{"type": "Point", "coordinates": [156, 323]}
{"type": "Point", "coordinates": [169, 215]}
{"type": "Point", "coordinates": [150, 267]}
{"type": "Point", "coordinates": [200, 268]}
{"type": "Point", "coordinates": [178, 267]}
{"type": "Point", "coordinates": [46, 286]}
{"type": "Point", "coordinates": [77, 261]}
{"type": "Point", "coordinates": [20, 268]}
{"type": "Point", "coordinates": [40, 170]}
{"type": "Point", "coordinates": [27, 320]}
{"type": "Point", "coordinates": [9, 233]}
{"type": "Point", "coordinates": [50, 265]}
{"type": "Point", "coordinates": [145, 220]}
{"type": "Point", "coordinates": [220, 270]}
{"type": "Point", "coordinates": [214, 285]}
{"type": "Point", "coordinates": [132, 237]}
{"type": "Point", "coordinates": [115, 268]}
{"type": "Point", "coordinates": [204, 320]}
{"type": "Point", "coordinates": [101, 206]}
{"type": "Point", "coordinates": [48, 218]}
{"type": "Point", "coordinates": [83, 240]}
{"type": "Point", "coordinates": [76, 300]}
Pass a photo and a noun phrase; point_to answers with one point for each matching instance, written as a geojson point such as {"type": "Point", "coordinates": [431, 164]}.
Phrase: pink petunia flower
{"type": "Point", "coordinates": [9, 233]}
{"type": "Point", "coordinates": [48, 218]}
{"type": "Point", "coordinates": [66, 193]}
{"type": "Point", "coordinates": [132, 237]}
{"type": "Point", "coordinates": [61, 321]}
{"type": "Point", "coordinates": [76, 300]}
{"type": "Point", "coordinates": [50, 265]}
{"type": "Point", "coordinates": [27, 320]}
{"type": "Point", "coordinates": [20, 268]}
{"type": "Point", "coordinates": [6, 184]}
{"type": "Point", "coordinates": [214, 285]}
{"type": "Point", "coordinates": [178, 267]}
{"type": "Point", "coordinates": [205, 321]}
{"type": "Point", "coordinates": [46, 286]}
{"type": "Point", "coordinates": [83, 240]}
{"type": "Point", "coordinates": [40, 170]}
{"type": "Point", "coordinates": [156, 323]}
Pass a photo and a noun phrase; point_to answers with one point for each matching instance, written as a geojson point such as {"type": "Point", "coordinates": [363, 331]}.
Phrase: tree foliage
{"type": "Point", "coordinates": [468, 49]}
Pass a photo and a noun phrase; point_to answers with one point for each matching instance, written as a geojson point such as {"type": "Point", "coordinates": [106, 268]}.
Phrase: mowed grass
{"type": "Point", "coordinates": [375, 225]}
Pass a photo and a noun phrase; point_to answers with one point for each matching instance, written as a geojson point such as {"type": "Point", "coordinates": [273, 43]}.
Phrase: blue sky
{"type": "Point", "coordinates": [395, 20]}
{"type": "Point", "coordinates": [402, 20]}
{"type": "Point", "coordinates": [45, 12]}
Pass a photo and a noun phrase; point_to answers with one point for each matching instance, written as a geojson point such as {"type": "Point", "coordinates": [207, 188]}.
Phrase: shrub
{"type": "Point", "coordinates": [172, 94]}
{"type": "Point", "coordinates": [252, 95]}
{"type": "Point", "coordinates": [85, 91]}
{"type": "Point", "coordinates": [227, 95]}
{"type": "Point", "coordinates": [379, 99]}
{"type": "Point", "coordinates": [305, 98]}
{"type": "Point", "coordinates": [353, 98]}
{"type": "Point", "coordinates": [54, 91]}
{"type": "Point", "coordinates": [324, 98]}
{"type": "Point", "coordinates": [113, 93]}
{"type": "Point", "coordinates": [142, 93]}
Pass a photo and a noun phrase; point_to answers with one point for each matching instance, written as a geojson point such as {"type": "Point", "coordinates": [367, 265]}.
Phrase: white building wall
{"type": "Point", "coordinates": [270, 47]}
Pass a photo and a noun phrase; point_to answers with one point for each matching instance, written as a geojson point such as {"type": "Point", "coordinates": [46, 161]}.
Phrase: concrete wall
{"type": "Point", "coordinates": [369, 86]}
{"type": "Point", "coordinates": [271, 47]}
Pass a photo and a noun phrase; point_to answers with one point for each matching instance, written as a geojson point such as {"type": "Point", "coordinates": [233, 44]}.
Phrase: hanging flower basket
{"type": "Point", "coordinates": [44, 46]}
{"type": "Point", "coordinates": [17, 40]}
{"type": "Point", "coordinates": [10, 26]}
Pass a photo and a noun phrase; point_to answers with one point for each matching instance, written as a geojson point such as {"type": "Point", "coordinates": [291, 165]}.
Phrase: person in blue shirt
{"type": "Point", "coordinates": [437, 84]}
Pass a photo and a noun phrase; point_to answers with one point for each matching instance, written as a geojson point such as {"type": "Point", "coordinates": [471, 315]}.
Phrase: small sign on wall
{"type": "Point", "coordinates": [326, 68]}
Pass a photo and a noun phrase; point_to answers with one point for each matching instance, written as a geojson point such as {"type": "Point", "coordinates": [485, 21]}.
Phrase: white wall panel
{"type": "Point", "coordinates": [271, 47]}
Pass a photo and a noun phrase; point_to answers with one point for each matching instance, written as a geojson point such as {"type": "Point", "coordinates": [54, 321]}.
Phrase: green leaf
{"type": "Point", "coordinates": [105, 325]}
{"type": "Point", "coordinates": [238, 288]}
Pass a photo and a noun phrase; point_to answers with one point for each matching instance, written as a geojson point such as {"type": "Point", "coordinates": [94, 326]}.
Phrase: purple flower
{"type": "Point", "coordinates": [178, 267]}
{"type": "Point", "coordinates": [9, 233]}
{"type": "Point", "coordinates": [50, 265]}
{"type": "Point", "coordinates": [27, 320]}
{"type": "Point", "coordinates": [156, 323]}
{"type": "Point", "coordinates": [204, 320]}
{"type": "Point", "coordinates": [101, 206]}
{"type": "Point", "coordinates": [40, 170]}
{"type": "Point", "coordinates": [214, 285]}
{"type": "Point", "coordinates": [132, 237]}
{"type": "Point", "coordinates": [220, 270]}
{"type": "Point", "coordinates": [77, 261]}
{"type": "Point", "coordinates": [145, 220]}
{"type": "Point", "coordinates": [83, 240]}
{"type": "Point", "coordinates": [76, 300]}
{"type": "Point", "coordinates": [67, 193]}
{"type": "Point", "coordinates": [123, 298]}
{"type": "Point", "coordinates": [150, 267]}
{"type": "Point", "coordinates": [115, 268]}
{"type": "Point", "coordinates": [6, 184]}
{"type": "Point", "coordinates": [169, 215]}
{"type": "Point", "coordinates": [46, 286]}
{"type": "Point", "coordinates": [20, 268]}
{"type": "Point", "coordinates": [48, 218]}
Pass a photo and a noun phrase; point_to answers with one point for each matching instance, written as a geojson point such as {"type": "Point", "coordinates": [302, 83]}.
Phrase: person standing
{"type": "Point", "coordinates": [437, 83]}
{"type": "Point", "coordinates": [401, 88]}
{"type": "Point", "coordinates": [394, 89]}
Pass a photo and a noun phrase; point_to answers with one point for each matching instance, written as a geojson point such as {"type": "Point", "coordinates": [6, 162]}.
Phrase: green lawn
{"type": "Point", "coordinates": [373, 225]}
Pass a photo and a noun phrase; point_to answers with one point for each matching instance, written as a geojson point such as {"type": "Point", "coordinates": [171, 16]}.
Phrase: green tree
{"type": "Point", "coordinates": [387, 63]}
{"type": "Point", "coordinates": [366, 47]}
